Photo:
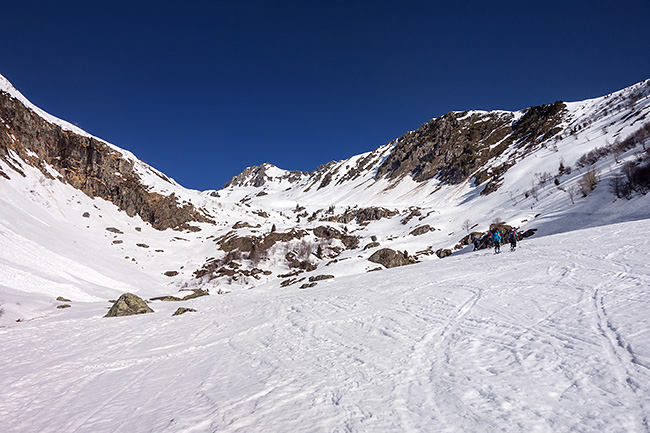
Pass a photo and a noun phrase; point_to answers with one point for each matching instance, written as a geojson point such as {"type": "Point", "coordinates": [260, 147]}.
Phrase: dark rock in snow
{"type": "Point", "coordinates": [390, 258]}
{"type": "Point", "coordinates": [196, 293]}
{"type": "Point", "coordinates": [528, 233]}
{"type": "Point", "coordinates": [371, 245]}
{"type": "Point", "coordinates": [320, 278]}
{"type": "Point", "coordinates": [421, 230]}
{"type": "Point", "coordinates": [183, 310]}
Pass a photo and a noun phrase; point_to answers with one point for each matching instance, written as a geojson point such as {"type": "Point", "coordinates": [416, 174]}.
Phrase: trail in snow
{"type": "Point", "coordinates": [553, 337]}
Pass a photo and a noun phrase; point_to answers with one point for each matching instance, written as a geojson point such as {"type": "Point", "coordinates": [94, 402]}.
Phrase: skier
{"type": "Point", "coordinates": [497, 242]}
{"type": "Point", "coordinates": [513, 239]}
{"type": "Point", "coordinates": [475, 242]}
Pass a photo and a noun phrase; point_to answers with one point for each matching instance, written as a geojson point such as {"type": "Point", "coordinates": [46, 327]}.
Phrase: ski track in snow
{"type": "Point", "coordinates": [550, 338]}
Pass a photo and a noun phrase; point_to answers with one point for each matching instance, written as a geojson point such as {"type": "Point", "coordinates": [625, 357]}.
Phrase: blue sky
{"type": "Point", "coordinates": [203, 89]}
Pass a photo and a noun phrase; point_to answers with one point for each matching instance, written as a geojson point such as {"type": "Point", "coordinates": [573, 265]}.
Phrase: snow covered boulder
{"type": "Point", "coordinates": [127, 305]}
{"type": "Point", "coordinates": [390, 258]}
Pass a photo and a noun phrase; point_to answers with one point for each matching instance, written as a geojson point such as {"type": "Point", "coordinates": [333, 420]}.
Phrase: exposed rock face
{"type": "Point", "coordinates": [242, 224]}
{"type": "Point", "coordinates": [183, 310]}
{"type": "Point", "coordinates": [294, 262]}
{"type": "Point", "coordinates": [390, 258]}
{"type": "Point", "coordinates": [528, 233]}
{"type": "Point", "coordinates": [127, 305]}
{"type": "Point", "coordinates": [453, 146]}
{"type": "Point", "coordinates": [366, 214]}
{"type": "Point", "coordinates": [87, 164]}
{"type": "Point", "coordinates": [421, 230]}
{"type": "Point", "coordinates": [320, 278]}
{"type": "Point", "coordinates": [257, 176]}
{"type": "Point", "coordinates": [327, 232]}
{"type": "Point", "coordinates": [196, 293]}
{"type": "Point", "coordinates": [232, 242]}
{"type": "Point", "coordinates": [443, 252]}
{"type": "Point", "coordinates": [371, 245]}
{"type": "Point", "coordinates": [448, 146]}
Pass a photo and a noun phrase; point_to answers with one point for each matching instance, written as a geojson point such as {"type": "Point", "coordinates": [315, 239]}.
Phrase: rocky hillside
{"type": "Point", "coordinates": [87, 163]}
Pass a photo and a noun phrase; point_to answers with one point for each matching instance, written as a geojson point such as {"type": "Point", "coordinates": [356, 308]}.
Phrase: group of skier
{"type": "Point", "coordinates": [495, 239]}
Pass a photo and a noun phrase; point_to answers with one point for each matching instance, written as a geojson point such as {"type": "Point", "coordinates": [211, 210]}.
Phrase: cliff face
{"type": "Point", "coordinates": [87, 164]}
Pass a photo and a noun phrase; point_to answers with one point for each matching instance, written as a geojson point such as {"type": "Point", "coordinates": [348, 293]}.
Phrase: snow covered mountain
{"type": "Point", "coordinates": [321, 343]}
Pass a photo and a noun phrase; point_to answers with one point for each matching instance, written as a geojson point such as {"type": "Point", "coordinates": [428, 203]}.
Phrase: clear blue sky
{"type": "Point", "coordinates": [203, 89]}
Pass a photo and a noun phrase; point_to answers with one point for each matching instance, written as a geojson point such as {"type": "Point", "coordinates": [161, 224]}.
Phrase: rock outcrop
{"type": "Point", "coordinates": [128, 304]}
{"type": "Point", "coordinates": [88, 164]}
{"type": "Point", "coordinates": [183, 310]}
{"type": "Point", "coordinates": [453, 146]}
{"type": "Point", "coordinates": [390, 258]}
{"type": "Point", "coordinates": [421, 230]}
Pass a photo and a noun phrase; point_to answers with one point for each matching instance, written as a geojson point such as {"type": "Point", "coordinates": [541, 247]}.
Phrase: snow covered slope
{"type": "Point", "coordinates": [552, 338]}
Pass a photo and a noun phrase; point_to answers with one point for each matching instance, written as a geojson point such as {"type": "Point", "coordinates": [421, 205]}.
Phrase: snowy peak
{"type": "Point", "coordinates": [259, 175]}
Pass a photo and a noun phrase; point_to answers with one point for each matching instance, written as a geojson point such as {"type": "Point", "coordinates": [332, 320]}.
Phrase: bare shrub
{"type": "Point", "coordinates": [467, 225]}
{"type": "Point", "coordinates": [257, 254]}
{"type": "Point", "coordinates": [534, 192]}
{"type": "Point", "coordinates": [617, 150]}
{"type": "Point", "coordinates": [543, 178]}
{"type": "Point", "coordinates": [588, 182]}
{"type": "Point", "coordinates": [303, 250]}
{"type": "Point", "coordinates": [620, 186]}
{"type": "Point", "coordinates": [572, 191]}
{"type": "Point", "coordinates": [638, 175]}
{"type": "Point", "coordinates": [232, 255]}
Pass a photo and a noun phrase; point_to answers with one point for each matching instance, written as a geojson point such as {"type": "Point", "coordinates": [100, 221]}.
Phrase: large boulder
{"type": "Point", "coordinates": [127, 305]}
{"type": "Point", "coordinates": [390, 258]}
{"type": "Point", "coordinates": [421, 230]}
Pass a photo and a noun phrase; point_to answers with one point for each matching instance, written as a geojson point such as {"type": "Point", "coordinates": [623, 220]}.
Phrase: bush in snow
{"type": "Point", "coordinates": [588, 182]}
{"type": "Point", "coordinates": [634, 177]}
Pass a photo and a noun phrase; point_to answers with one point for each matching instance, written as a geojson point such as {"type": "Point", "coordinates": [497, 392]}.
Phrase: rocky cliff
{"type": "Point", "coordinates": [87, 164]}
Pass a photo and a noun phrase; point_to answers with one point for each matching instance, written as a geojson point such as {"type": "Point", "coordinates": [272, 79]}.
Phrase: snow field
{"type": "Point", "coordinates": [551, 338]}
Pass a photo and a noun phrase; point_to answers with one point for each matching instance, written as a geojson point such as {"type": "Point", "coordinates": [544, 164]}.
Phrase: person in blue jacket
{"type": "Point", "coordinates": [497, 241]}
